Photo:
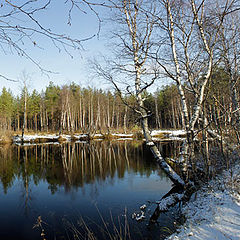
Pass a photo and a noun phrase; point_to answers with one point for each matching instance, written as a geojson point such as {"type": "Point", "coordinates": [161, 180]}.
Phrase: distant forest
{"type": "Point", "coordinates": [71, 108]}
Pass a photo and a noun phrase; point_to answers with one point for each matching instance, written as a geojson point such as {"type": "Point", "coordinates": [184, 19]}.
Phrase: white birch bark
{"type": "Point", "coordinates": [177, 69]}
{"type": "Point", "coordinates": [200, 96]}
{"type": "Point", "coordinates": [139, 61]}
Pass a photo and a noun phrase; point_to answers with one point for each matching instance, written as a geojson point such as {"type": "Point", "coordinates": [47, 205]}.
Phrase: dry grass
{"type": "Point", "coordinates": [138, 135]}
{"type": "Point", "coordinates": [98, 137]}
{"type": "Point", "coordinates": [45, 140]}
{"type": "Point", "coordinates": [61, 139]}
{"type": "Point", "coordinates": [39, 224]}
{"type": "Point", "coordinates": [6, 137]}
{"type": "Point", "coordinates": [108, 231]}
{"type": "Point", "coordinates": [160, 135]}
{"type": "Point", "coordinates": [5, 140]}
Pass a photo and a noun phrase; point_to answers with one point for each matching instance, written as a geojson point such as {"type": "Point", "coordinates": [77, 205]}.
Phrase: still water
{"type": "Point", "coordinates": [74, 185]}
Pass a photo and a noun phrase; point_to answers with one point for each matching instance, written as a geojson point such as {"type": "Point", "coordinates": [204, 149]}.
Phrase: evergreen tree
{"type": "Point", "coordinates": [6, 108]}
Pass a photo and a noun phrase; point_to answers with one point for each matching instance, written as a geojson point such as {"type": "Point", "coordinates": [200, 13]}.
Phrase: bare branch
{"type": "Point", "coordinates": [8, 79]}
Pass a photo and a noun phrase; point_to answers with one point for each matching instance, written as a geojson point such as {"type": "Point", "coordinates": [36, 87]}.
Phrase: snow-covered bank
{"type": "Point", "coordinates": [169, 133]}
{"type": "Point", "coordinates": [163, 135]}
{"type": "Point", "coordinates": [32, 138]}
{"type": "Point", "coordinates": [214, 211]}
{"type": "Point", "coordinates": [36, 138]}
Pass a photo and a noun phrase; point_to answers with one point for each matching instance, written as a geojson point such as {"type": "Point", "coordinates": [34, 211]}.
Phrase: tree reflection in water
{"type": "Point", "coordinates": [73, 164]}
{"type": "Point", "coordinates": [43, 178]}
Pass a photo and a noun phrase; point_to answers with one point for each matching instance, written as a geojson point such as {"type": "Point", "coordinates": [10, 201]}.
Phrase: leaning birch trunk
{"type": "Point", "coordinates": [175, 178]}
{"type": "Point", "coordinates": [171, 199]}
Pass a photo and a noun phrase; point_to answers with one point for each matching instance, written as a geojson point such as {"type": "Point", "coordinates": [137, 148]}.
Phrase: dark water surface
{"type": "Point", "coordinates": [72, 181]}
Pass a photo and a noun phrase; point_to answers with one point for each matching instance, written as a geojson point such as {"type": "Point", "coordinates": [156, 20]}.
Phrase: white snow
{"type": "Point", "coordinates": [80, 136]}
{"type": "Point", "coordinates": [67, 137]}
{"type": "Point", "coordinates": [165, 139]}
{"type": "Point", "coordinates": [169, 135]}
{"type": "Point", "coordinates": [122, 135]}
{"type": "Point", "coordinates": [165, 203]}
{"type": "Point", "coordinates": [99, 135]}
{"type": "Point", "coordinates": [141, 216]}
{"type": "Point", "coordinates": [124, 139]}
{"type": "Point", "coordinates": [175, 133]}
{"type": "Point", "coordinates": [214, 211]}
{"type": "Point", "coordinates": [172, 133]}
{"type": "Point", "coordinates": [143, 206]}
{"type": "Point", "coordinates": [36, 144]}
{"type": "Point", "coordinates": [31, 138]}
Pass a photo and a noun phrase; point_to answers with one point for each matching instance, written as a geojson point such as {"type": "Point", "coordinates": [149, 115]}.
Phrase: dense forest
{"type": "Point", "coordinates": [71, 108]}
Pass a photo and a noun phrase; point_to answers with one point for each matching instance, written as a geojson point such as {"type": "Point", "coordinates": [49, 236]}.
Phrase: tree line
{"type": "Point", "coordinates": [71, 108]}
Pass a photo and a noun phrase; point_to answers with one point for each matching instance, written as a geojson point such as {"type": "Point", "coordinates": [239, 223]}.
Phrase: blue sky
{"type": "Point", "coordinates": [84, 24]}
{"type": "Point", "coordinates": [68, 69]}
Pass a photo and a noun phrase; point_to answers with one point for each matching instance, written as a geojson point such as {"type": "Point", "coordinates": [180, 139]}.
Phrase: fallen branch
{"type": "Point", "coordinates": [174, 196]}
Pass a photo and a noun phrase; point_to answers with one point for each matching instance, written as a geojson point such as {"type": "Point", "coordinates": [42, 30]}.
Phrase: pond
{"type": "Point", "coordinates": [80, 186]}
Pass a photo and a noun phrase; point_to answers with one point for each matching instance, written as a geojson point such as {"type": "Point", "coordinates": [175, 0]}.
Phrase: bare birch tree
{"type": "Point", "coordinates": [25, 78]}
{"type": "Point", "coordinates": [133, 34]}
{"type": "Point", "coordinates": [191, 29]}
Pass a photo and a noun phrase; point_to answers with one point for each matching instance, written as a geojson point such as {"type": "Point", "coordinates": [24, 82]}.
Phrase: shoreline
{"type": "Point", "coordinates": [157, 135]}
{"type": "Point", "coordinates": [213, 212]}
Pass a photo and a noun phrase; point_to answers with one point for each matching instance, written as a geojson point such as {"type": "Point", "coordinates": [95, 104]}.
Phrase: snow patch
{"type": "Point", "coordinates": [123, 139]}
{"type": "Point", "coordinates": [31, 138]}
{"type": "Point", "coordinates": [171, 133]}
{"type": "Point", "coordinates": [150, 143]}
{"type": "Point", "coordinates": [214, 211]}
{"type": "Point", "coordinates": [165, 203]}
{"type": "Point", "coordinates": [121, 135]}
{"type": "Point", "coordinates": [143, 207]}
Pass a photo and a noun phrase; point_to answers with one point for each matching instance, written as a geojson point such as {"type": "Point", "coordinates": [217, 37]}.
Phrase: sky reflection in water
{"type": "Point", "coordinates": [74, 180]}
